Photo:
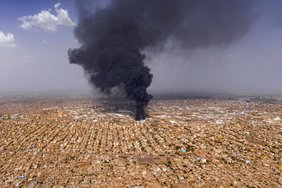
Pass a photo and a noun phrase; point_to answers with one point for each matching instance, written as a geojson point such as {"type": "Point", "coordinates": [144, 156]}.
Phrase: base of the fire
{"type": "Point", "coordinates": [140, 112]}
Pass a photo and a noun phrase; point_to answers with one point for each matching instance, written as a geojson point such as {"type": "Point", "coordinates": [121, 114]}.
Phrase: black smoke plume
{"type": "Point", "coordinates": [113, 37]}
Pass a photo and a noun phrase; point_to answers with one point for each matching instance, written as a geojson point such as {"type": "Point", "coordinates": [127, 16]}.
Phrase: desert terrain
{"type": "Point", "coordinates": [187, 142]}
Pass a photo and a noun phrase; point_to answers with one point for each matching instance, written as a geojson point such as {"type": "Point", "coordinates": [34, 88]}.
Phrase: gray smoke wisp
{"type": "Point", "coordinates": [113, 37]}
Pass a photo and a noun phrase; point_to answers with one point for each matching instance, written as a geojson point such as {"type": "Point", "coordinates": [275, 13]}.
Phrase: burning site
{"type": "Point", "coordinates": [141, 93]}
{"type": "Point", "coordinates": [113, 39]}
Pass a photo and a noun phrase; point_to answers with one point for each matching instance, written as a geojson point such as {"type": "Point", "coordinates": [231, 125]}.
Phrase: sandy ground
{"type": "Point", "coordinates": [184, 143]}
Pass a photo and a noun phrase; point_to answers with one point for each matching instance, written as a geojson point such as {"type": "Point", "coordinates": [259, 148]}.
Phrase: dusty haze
{"type": "Point", "coordinates": [250, 63]}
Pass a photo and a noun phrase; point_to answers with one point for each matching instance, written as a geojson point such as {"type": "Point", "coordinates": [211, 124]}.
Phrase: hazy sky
{"type": "Point", "coordinates": [36, 34]}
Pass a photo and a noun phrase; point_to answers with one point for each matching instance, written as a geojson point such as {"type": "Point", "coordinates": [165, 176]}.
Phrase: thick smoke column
{"type": "Point", "coordinates": [114, 37]}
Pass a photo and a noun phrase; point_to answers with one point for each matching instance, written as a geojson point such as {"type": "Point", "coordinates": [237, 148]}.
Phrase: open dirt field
{"type": "Point", "coordinates": [184, 143]}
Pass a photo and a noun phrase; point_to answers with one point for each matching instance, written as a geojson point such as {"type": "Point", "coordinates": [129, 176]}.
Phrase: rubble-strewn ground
{"type": "Point", "coordinates": [184, 143]}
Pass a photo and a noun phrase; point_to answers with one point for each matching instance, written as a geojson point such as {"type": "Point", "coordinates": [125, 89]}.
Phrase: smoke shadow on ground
{"type": "Point", "coordinates": [267, 99]}
{"type": "Point", "coordinates": [125, 106]}
{"type": "Point", "coordinates": [194, 95]}
{"type": "Point", "coordinates": [118, 106]}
